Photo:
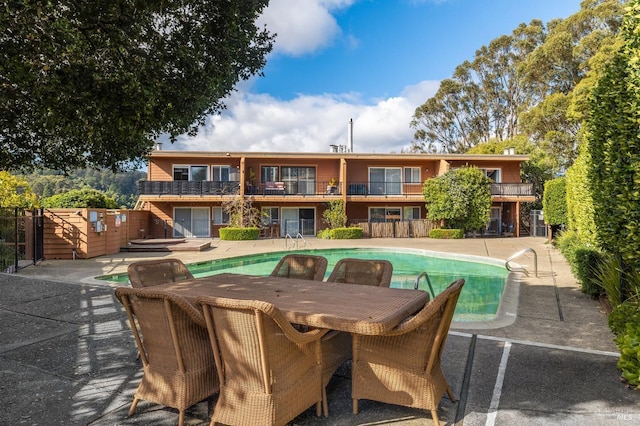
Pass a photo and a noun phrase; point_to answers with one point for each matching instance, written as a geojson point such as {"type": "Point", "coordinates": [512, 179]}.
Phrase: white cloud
{"type": "Point", "coordinates": [261, 123]}
{"type": "Point", "coordinates": [302, 26]}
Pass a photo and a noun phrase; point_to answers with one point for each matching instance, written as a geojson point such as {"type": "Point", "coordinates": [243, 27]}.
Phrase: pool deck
{"type": "Point", "coordinates": [68, 357]}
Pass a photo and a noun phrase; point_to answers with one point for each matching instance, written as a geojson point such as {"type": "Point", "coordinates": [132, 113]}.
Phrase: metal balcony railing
{"type": "Point", "coordinates": [512, 189]}
{"type": "Point", "coordinates": [184, 187]}
{"type": "Point", "coordinates": [308, 187]}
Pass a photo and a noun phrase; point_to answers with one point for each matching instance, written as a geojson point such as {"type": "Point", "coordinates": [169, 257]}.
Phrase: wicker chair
{"type": "Point", "coordinates": [269, 372]}
{"type": "Point", "coordinates": [403, 367]}
{"type": "Point", "coordinates": [178, 363]}
{"type": "Point", "coordinates": [336, 346]}
{"type": "Point", "coordinates": [303, 266]}
{"type": "Point", "coordinates": [153, 272]}
{"type": "Point", "coordinates": [362, 271]}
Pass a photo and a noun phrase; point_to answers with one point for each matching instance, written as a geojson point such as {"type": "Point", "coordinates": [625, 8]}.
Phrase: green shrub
{"type": "Point", "coordinates": [629, 345]}
{"type": "Point", "coordinates": [568, 242]}
{"type": "Point", "coordinates": [622, 314]}
{"type": "Point", "coordinates": [239, 234]}
{"type": "Point", "coordinates": [554, 201]}
{"type": "Point", "coordinates": [351, 233]}
{"type": "Point", "coordinates": [587, 262]}
{"type": "Point", "coordinates": [608, 275]}
{"type": "Point", "coordinates": [445, 234]}
{"type": "Point", "coordinates": [324, 234]}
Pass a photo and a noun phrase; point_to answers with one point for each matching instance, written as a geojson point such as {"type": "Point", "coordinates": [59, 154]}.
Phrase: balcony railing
{"type": "Point", "coordinates": [184, 187]}
{"type": "Point", "coordinates": [305, 188]}
{"type": "Point", "coordinates": [512, 189]}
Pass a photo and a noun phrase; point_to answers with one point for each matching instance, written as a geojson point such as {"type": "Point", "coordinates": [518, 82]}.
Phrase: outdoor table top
{"type": "Point", "coordinates": [353, 308]}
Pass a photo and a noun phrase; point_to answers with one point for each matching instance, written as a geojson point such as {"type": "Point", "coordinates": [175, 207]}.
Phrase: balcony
{"type": "Point", "coordinates": [512, 189]}
{"type": "Point", "coordinates": [184, 187]}
{"type": "Point", "coordinates": [370, 189]}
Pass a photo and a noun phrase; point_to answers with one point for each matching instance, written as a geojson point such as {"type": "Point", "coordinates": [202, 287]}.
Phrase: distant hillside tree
{"type": "Point", "coordinates": [80, 198]}
{"type": "Point", "coordinates": [122, 187]}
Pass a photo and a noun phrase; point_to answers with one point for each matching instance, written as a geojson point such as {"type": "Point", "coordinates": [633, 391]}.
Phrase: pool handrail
{"type": "Point", "coordinates": [522, 269]}
{"type": "Point", "coordinates": [417, 281]}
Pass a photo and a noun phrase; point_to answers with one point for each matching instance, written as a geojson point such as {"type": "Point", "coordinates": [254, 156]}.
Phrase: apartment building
{"type": "Point", "coordinates": [185, 190]}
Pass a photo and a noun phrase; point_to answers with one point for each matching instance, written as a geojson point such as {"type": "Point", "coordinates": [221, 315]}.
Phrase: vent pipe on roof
{"type": "Point", "coordinates": [158, 146]}
{"type": "Point", "coordinates": [350, 136]}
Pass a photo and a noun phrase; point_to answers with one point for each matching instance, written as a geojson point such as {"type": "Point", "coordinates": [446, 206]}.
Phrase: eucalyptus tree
{"type": "Point", "coordinates": [561, 72]}
{"type": "Point", "coordinates": [482, 99]}
{"type": "Point", "coordinates": [534, 81]}
{"type": "Point", "coordinates": [93, 83]}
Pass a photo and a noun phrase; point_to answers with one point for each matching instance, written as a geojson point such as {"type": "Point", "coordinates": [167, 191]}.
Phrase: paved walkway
{"type": "Point", "coordinates": [68, 357]}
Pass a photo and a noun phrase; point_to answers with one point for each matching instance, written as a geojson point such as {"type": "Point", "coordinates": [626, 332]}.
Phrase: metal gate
{"type": "Point", "coordinates": [21, 238]}
{"type": "Point", "coordinates": [538, 227]}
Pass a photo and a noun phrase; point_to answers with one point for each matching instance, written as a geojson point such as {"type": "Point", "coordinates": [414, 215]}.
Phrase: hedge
{"type": "Point", "coordinates": [446, 234]}
{"type": "Point", "coordinates": [351, 233]}
{"type": "Point", "coordinates": [239, 234]}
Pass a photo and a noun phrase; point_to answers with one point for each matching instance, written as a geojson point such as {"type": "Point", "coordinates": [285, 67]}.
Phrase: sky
{"type": "Point", "coordinates": [372, 61]}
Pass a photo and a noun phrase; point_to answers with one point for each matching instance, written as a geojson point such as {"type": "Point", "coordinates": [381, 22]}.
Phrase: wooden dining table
{"type": "Point", "coordinates": [352, 308]}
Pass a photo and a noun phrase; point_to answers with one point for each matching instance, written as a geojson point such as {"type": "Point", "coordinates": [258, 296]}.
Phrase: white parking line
{"type": "Point", "coordinates": [497, 389]}
{"type": "Point", "coordinates": [539, 345]}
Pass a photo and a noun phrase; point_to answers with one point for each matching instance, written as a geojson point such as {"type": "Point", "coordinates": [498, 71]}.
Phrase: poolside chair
{"type": "Point", "coordinates": [269, 372]}
{"type": "Point", "coordinates": [362, 271]}
{"type": "Point", "coordinates": [178, 363]}
{"type": "Point", "coordinates": [303, 266]}
{"type": "Point", "coordinates": [147, 273]}
{"type": "Point", "coordinates": [336, 346]}
{"type": "Point", "coordinates": [403, 367]}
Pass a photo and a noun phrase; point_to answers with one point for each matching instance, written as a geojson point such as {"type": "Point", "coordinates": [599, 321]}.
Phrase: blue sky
{"type": "Point", "coordinates": [373, 61]}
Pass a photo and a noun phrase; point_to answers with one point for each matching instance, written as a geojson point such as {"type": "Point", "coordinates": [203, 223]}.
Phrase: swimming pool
{"type": "Point", "coordinates": [485, 279]}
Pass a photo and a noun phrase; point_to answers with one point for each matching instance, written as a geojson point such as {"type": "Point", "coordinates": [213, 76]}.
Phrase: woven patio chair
{"type": "Point", "coordinates": [362, 271]}
{"type": "Point", "coordinates": [302, 266]}
{"type": "Point", "coordinates": [336, 346]}
{"type": "Point", "coordinates": [403, 367]}
{"type": "Point", "coordinates": [269, 372]}
{"type": "Point", "coordinates": [178, 363]}
{"type": "Point", "coordinates": [147, 273]}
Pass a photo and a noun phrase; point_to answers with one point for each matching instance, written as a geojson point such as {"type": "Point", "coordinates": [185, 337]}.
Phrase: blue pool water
{"type": "Point", "coordinates": [479, 300]}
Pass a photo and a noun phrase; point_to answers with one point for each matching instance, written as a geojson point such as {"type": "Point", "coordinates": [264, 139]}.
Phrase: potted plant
{"type": "Point", "coordinates": [332, 185]}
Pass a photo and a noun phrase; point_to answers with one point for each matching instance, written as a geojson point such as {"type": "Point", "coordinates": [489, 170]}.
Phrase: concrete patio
{"type": "Point", "coordinates": [68, 356]}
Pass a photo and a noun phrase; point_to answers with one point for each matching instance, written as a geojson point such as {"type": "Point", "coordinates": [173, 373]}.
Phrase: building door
{"type": "Point", "coordinates": [298, 220]}
{"type": "Point", "coordinates": [190, 222]}
{"type": "Point", "coordinates": [494, 227]}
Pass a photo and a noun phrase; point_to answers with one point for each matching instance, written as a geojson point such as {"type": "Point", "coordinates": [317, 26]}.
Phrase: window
{"type": "Point", "coordinates": [193, 173]}
{"type": "Point", "coordinates": [412, 175]}
{"type": "Point", "coordinates": [411, 213]}
{"type": "Point", "coordinates": [384, 214]}
{"type": "Point", "coordinates": [181, 173]}
{"type": "Point", "coordinates": [385, 181]}
{"type": "Point", "coordinates": [220, 173]}
{"type": "Point", "coordinates": [269, 174]}
{"type": "Point", "coordinates": [220, 217]}
{"type": "Point", "coordinates": [493, 174]}
{"type": "Point", "coordinates": [270, 215]}
{"type": "Point", "coordinates": [299, 180]}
